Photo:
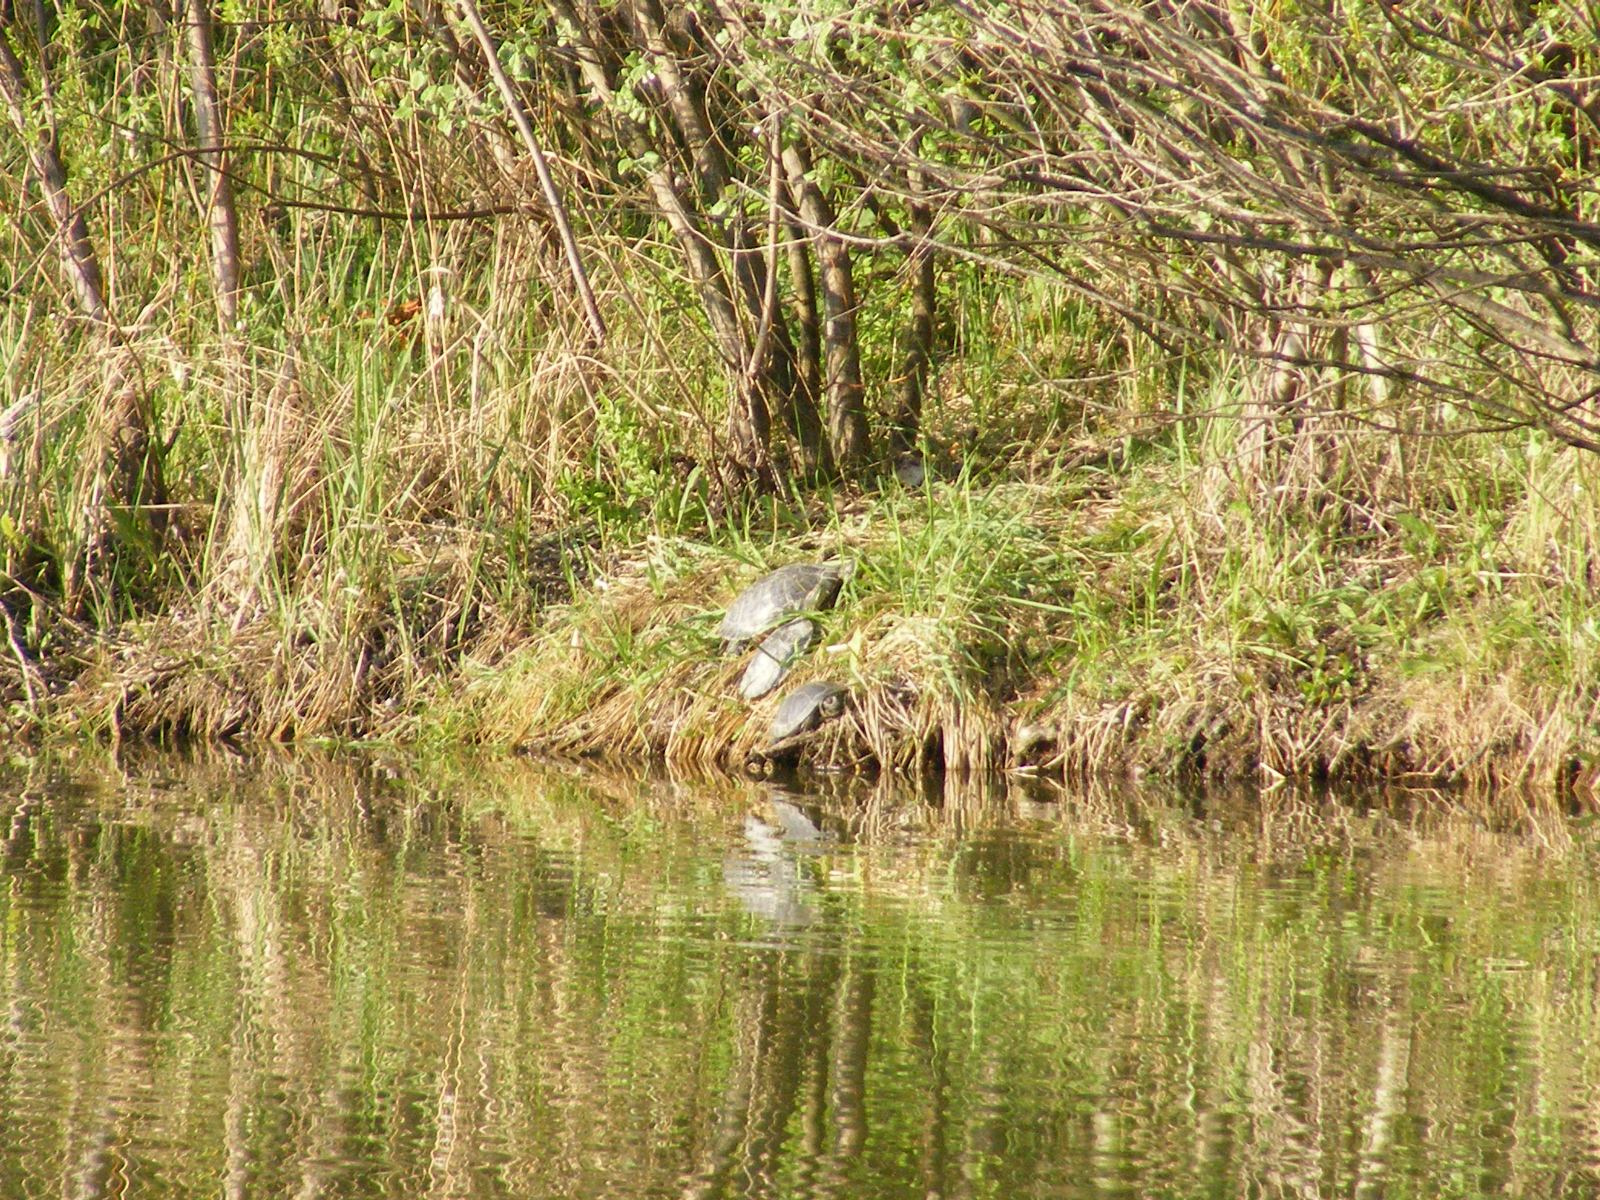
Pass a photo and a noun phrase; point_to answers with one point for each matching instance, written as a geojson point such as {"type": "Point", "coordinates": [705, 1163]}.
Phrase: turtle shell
{"type": "Point", "coordinates": [775, 655]}
{"type": "Point", "coordinates": [807, 707]}
{"type": "Point", "coordinates": [772, 599]}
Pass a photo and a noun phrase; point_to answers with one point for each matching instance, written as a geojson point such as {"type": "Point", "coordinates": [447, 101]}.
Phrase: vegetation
{"type": "Point", "coordinates": [409, 370]}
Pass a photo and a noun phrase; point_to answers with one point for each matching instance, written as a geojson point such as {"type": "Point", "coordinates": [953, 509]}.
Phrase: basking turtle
{"type": "Point", "coordinates": [775, 655]}
{"type": "Point", "coordinates": [807, 707]}
{"type": "Point", "coordinates": [772, 599]}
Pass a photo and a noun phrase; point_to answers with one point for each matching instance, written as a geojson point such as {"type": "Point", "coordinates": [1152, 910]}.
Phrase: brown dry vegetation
{"type": "Point", "coordinates": [1147, 620]}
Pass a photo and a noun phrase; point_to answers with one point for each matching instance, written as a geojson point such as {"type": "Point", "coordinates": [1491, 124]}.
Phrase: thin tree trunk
{"type": "Point", "coordinates": [917, 340]}
{"type": "Point", "coordinates": [749, 421]}
{"type": "Point", "coordinates": [797, 398]}
{"type": "Point", "coordinates": [221, 218]}
{"type": "Point", "coordinates": [78, 262]}
{"type": "Point", "coordinates": [847, 412]}
{"type": "Point", "coordinates": [808, 344]}
{"type": "Point", "coordinates": [547, 183]}
{"type": "Point", "coordinates": [684, 102]}
{"type": "Point", "coordinates": [347, 76]}
{"type": "Point", "coordinates": [121, 467]}
{"type": "Point", "coordinates": [470, 76]}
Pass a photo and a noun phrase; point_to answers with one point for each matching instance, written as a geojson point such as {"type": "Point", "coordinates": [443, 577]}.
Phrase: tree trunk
{"type": "Point", "coordinates": [684, 101]}
{"type": "Point", "coordinates": [916, 344]}
{"type": "Point", "coordinates": [847, 412]}
{"type": "Point", "coordinates": [808, 346]}
{"type": "Point", "coordinates": [78, 262]}
{"type": "Point", "coordinates": [747, 451]}
{"type": "Point", "coordinates": [218, 210]}
{"type": "Point", "coordinates": [547, 183]}
{"type": "Point", "coordinates": [121, 469]}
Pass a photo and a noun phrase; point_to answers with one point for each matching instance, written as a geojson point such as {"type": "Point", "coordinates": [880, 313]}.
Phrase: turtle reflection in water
{"type": "Point", "coordinates": [767, 875]}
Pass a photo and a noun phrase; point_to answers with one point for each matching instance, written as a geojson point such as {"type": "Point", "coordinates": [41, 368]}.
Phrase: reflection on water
{"type": "Point", "coordinates": [483, 979]}
{"type": "Point", "coordinates": [767, 874]}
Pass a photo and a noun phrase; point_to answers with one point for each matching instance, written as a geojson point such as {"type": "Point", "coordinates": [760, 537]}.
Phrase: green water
{"type": "Point", "coordinates": [486, 979]}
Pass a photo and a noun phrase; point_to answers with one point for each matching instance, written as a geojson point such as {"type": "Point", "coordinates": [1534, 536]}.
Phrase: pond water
{"type": "Point", "coordinates": [485, 978]}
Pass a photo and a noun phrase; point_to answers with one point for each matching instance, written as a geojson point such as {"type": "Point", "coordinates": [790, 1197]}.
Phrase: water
{"type": "Point", "coordinates": [307, 978]}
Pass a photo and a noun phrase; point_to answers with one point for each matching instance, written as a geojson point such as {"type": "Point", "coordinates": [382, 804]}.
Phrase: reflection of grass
{"type": "Point", "coordinates": [483, 965]}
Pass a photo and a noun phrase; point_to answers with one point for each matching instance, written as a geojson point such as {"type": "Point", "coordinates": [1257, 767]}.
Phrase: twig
{"type": "Point", "coordinates": [519, 113]}
{"type": "Point", "coordinates": [27, 670]}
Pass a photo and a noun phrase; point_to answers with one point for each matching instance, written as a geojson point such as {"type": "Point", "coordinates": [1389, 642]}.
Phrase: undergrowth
{"type": "Point", "coordinates": [1061, 618]}
{"type": "Point", "coordinates": [1193, 504]}
{"type": "Point", "coordinates": [383, 524]}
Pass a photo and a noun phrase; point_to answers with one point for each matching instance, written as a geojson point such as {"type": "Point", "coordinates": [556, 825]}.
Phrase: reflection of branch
{"type": "Point", "coordinates": [733, 1118]}
{"type": "Point", "coordinates": [852, 1044]}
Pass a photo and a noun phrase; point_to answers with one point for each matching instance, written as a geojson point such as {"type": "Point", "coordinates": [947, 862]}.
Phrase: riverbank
{"type": "Point", "coordinates": [1065, 615]}
{"type": "Point", "coordinates": [1082, 621]}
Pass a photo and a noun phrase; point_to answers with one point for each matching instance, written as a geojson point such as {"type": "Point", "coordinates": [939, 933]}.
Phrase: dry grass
{"type": "Point", "coordinates": [386, 532]}
{"type": "Point", "coordinates": [636, 670]}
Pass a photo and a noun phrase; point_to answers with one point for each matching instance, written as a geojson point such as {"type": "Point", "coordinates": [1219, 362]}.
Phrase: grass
{"type": "Point", "coordinates": [406, 542]}
{"type": "Point", "coordinates": [391, 553]}
{"type": "Point", "coordinates": [1075, 621]}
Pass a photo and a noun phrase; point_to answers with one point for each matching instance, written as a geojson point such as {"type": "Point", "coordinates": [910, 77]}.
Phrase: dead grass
{"type": "Point", "coordinates": [388, 551]}
{"type": "Point", "coordinates": [637, 670]}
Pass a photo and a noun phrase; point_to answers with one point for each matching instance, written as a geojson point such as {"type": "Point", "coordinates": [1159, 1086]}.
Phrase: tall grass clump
{"type": "Point", "coordinates": [959, 593]}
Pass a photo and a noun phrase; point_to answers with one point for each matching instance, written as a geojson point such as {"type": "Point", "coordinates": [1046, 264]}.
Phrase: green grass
{"type": "Point", "coordinates": [1159, 608]}
{"type": "Point", "coordinates": [1146, 615]}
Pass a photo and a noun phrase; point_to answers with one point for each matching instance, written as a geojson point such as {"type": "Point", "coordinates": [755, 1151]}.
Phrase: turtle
{"type": "Point", "coordinates": [772, 599]}
{"type": "Point", "coordinates": [777, 652]}
{"type": "Point", "coordinates": [807, 707]}
{"type": "Point", "coordinates": [911, 469]}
